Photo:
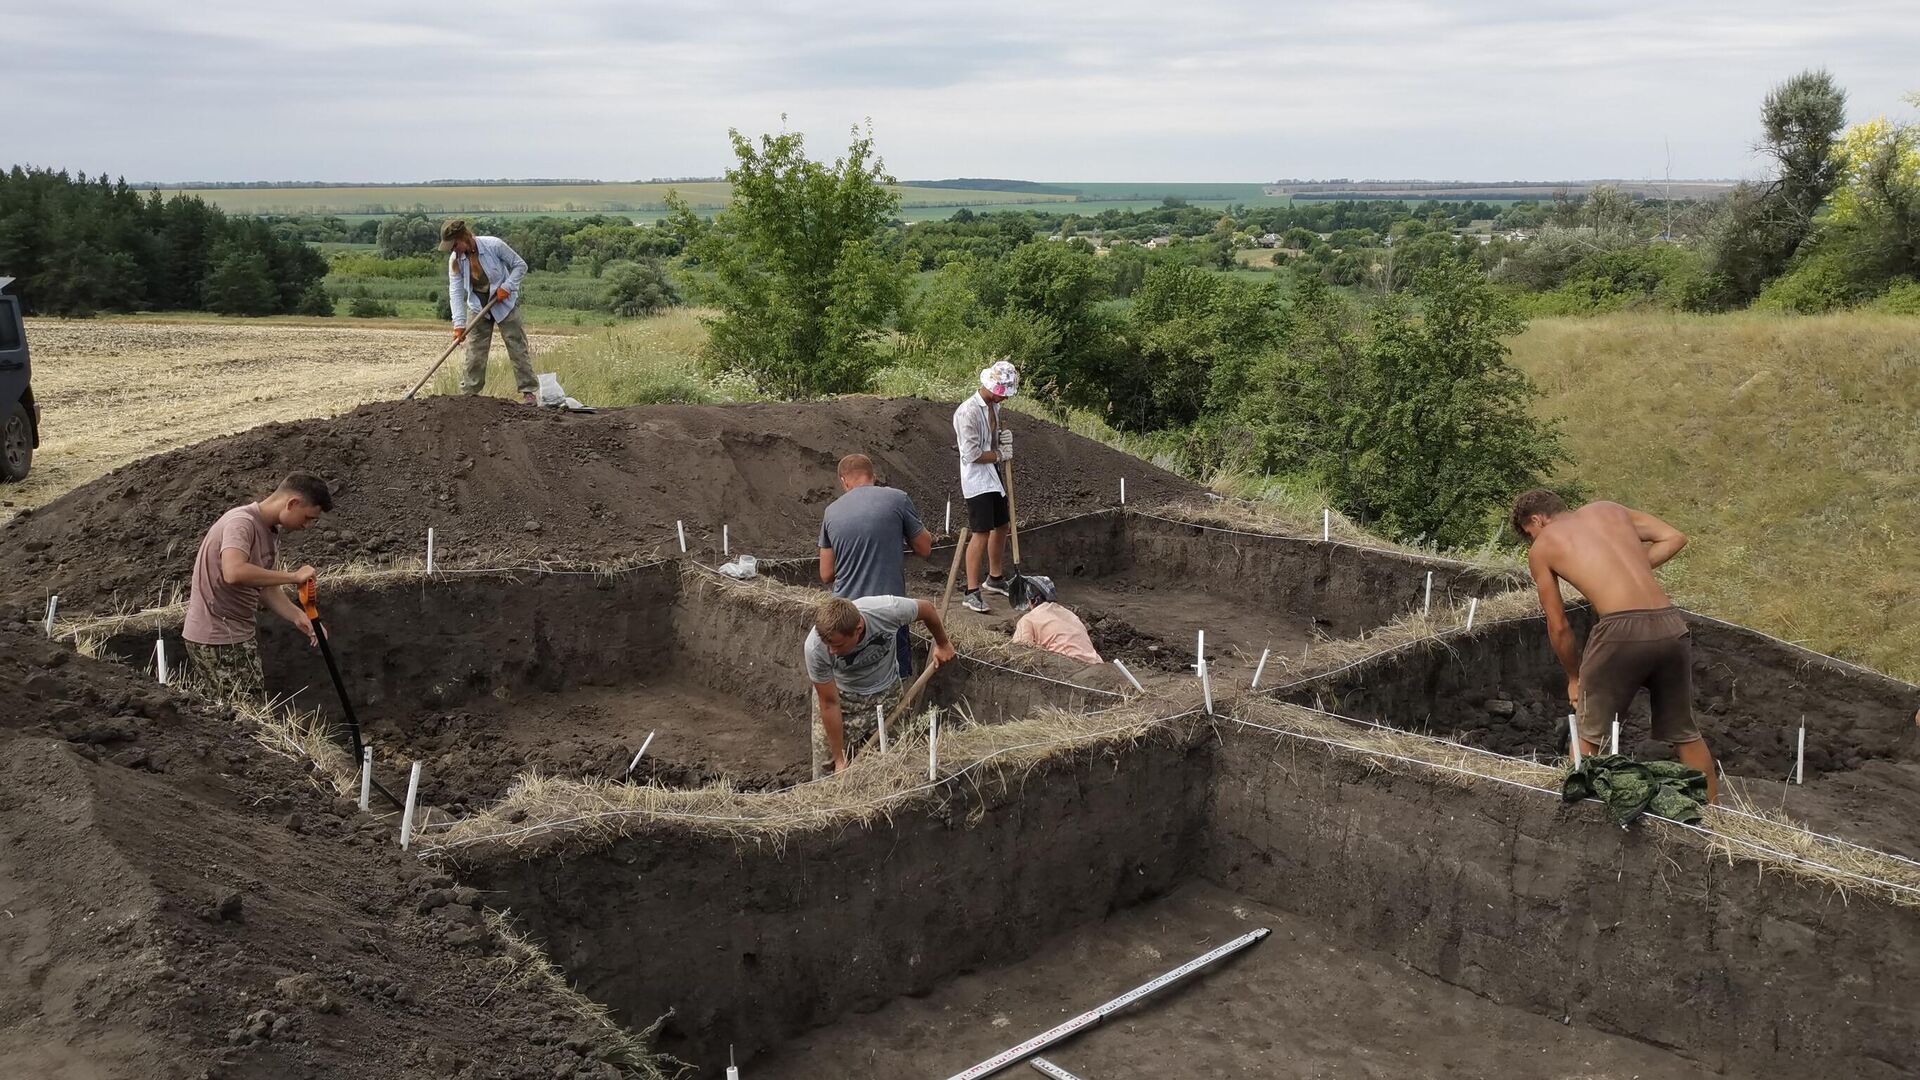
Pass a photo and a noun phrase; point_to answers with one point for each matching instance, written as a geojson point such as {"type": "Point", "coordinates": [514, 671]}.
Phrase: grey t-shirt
{"type": "Point", "coordinates": [867, 529]}
{"type": "Point", "coordinates": [870, 668]}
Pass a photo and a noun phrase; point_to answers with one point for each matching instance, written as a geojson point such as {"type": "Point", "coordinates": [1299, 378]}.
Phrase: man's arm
{"type": "Point", "coordinates": [942, 648]}
{"type": "Point", "coordinates": [456, 292]}
{"type": "Point", "coordinates": [826, 566]}
{"type": "Point", "coordinates": [921, 545]}
{"type": "Point", "coordinates": [1663, 540]}
{"type": "Point", "coordinates": [973, 444]}
{"type": "Point", "coordinates": [1559, 630]}
{"type": "Point", "coordinates": [284, 607]}
{"type": "Point", "coordinates": [829, 695]}
{"type": "Point", "coordinates": [236, 570]}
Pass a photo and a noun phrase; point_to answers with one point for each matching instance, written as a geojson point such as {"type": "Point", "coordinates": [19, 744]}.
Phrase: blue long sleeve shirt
{"type": "Point", "coordinates": [504, 268]}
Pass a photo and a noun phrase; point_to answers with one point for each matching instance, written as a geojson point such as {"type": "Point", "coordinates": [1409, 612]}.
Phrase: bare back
{"type": "Point", "coordinates": [1602, 550]}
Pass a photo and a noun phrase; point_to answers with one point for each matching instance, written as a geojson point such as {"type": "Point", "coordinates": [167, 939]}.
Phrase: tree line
{"type": "Point", "coordinates": [82, 245]}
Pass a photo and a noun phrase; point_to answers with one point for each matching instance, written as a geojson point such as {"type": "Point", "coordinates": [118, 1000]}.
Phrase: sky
{"type": "Point", "coordinates": [1125, 90]}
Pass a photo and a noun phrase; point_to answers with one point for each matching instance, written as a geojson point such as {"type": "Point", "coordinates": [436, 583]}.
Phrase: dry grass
{"type": "Point", "coordinates": [1443, 623]}
{"type": "Point", "coordinates": [113, 392]}
{"type": "Point", "coordinates": [1247, 510]}
{"type": "Point", "coordinates": [546, 813]}
{"type": "Point", "coordinates": [1772, 843]}
{"type": "Point", "coordinates": [1786, 447]}
{"type": "Point", "coordinates": [641, 362]}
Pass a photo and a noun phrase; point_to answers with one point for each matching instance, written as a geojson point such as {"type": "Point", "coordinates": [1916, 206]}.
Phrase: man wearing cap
{"type": "Point", "coordinates": [983, 446]}
{"type": "Point", "coordinates": [483, 269]}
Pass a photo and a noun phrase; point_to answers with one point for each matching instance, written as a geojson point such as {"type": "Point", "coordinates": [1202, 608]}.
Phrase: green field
{"type": "Point", "coordinates": [644, 200]}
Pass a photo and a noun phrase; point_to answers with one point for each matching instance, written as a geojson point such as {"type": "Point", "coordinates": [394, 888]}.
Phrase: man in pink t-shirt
{"type": "Point", "coordinates": [1048, 625]}
{"type": "Point", "coordinates": [233, 574]}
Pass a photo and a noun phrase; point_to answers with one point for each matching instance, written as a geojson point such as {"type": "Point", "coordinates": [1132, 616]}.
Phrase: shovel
{"type": "Point", "coordinates": [307, 594]}
{"type": "Point", "coordinates": [457, 342]}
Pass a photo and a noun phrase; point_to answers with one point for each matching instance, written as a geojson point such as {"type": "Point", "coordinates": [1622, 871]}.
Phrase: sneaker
{"type": "Point", "coordinates": [528, 399]}
{"type": "Point", "coordinates": [975, 602]}
{"type": "Point", "coordinates": [995, 585]}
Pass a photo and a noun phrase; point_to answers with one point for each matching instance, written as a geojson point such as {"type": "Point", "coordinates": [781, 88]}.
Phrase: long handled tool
{"type": "Point", "coordinates": [307, 602]}
{"type": "Point", "coordinates": [1013, 518]}
{"type": "Point", "coordinates": [456, 344]}
{"type": "Point", "coordinates": [1093, 1016]}
{"type": "Point", "coordinates": [953, 572]}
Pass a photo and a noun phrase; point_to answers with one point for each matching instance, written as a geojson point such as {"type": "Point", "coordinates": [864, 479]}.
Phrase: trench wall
{"type": "Point", "coordinates": [435, 644]}
{"type": "Point", "coordinates": [750, 944]}
{"type": "Point", "coordinates": [1639, 932]}
{"type": "Point", "coordinates": [1347, 590]}
{"type": "Point", "coordinates": [1502, 688]}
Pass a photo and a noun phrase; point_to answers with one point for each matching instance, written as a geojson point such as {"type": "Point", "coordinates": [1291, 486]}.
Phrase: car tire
{"type": "Point", "coordinates": [16, 444]}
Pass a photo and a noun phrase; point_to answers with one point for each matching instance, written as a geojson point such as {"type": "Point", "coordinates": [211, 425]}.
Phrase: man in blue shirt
{"type": "Point", "coordinates": [864, 537]}
{"type": "Point", "coordinates": [479, 269]}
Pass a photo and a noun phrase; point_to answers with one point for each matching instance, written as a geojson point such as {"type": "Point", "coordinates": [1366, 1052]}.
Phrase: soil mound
{"type": "Point", "coordinates": [503, 483]}
{"type": "Point", "coordinates": [179, 902]}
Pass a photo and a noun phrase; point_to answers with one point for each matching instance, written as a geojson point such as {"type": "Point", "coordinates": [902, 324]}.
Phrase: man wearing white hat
{"type": "Point", "coordinates": [983, 446]}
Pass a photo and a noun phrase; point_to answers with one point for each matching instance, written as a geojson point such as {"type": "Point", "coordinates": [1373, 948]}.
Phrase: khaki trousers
{"type": "Point", "coordinates": [474, 378]}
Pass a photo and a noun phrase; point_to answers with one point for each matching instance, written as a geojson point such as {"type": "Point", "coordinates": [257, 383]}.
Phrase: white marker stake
{"type": "Point", "coordinates": [933, 747]}
{"type": "Point", "coordinates": [366, 774]}
{"type": "Point", "coordinates": [1616, 733]}
{"type": "Point", "coordinates": [733, 1071]}
{"type": "Point", "coordinates": [160, 656]}
{"type": "Point", "coordinates": [1326, 523]}
{"type": "Point", "coordinates": [644, 743]}
{"type": "Point", "coordinates": [1123, 491]}
{"type": "Point", "coordinates": [1123, 670]}
{"type": "Point", "coordinates": [1573, 737]}
{"type": "Point", "coordinates": [726, 542]}
{"type": "Point", "coordinates": [880, 720]}
{"type": "Point", "coordinates": [1473, 606]}
{"type": "Point", "coordinates": [949, 529]}
{"type": "Point", "coordinates": [1258, 668]}
{"type": "Point", "coordinates": [53, 605]}
{"type": "Point", "coordinates": [1206, 682]}
{"type": "Point", "coordinates": [429, 552]}
{"type": "Point", "coordinates": [406, 818]}
{"type": "Point", "coordinates": [681, 528]}
{"type": "Point", "coordinates": [1800, 755]}
{"type": "Point", "coordinates": [1426, 605]}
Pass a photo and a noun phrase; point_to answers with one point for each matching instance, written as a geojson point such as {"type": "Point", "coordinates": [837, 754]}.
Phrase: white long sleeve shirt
{"type": "Point", "coordinates": [974, 426]}
{"type": "Point", "coordinates": [504, 268]}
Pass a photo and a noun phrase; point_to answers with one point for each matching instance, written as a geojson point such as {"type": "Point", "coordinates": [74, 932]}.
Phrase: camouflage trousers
{"type": "Point", "coordinates": [226, 672]}
{"type": "Point", "coordinates": [859, 722]}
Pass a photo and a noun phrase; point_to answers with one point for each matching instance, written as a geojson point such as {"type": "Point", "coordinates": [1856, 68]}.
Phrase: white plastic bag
{"type": "Point", "coordinates": [550, 392]}
{"type": "Point", "coordinates": [743, 568]}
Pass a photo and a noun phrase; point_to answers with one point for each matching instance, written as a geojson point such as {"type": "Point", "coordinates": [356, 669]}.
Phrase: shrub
{"type": "Point", "coordinates": [641, 288]}
{"type": "Point", "coordinates": [364, 307]}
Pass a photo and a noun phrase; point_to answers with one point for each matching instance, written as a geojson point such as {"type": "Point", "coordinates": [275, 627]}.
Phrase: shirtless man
{"type": "Point", "coordinates": [1609, 552]}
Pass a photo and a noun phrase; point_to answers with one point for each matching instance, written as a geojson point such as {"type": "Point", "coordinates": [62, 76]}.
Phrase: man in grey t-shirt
{"type": "Point", "coordinates": [850, 661]}
{"type": "Point", "coordinates": [863, 540]}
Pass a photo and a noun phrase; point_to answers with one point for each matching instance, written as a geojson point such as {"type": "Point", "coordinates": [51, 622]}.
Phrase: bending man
{"type": "Point", "coordinates": [1609, 552]}
{"type": "Point", "coordinates": [850, 660]}
{"type": "Point", "coordinates": [482, 269]}
{"type": "Point", "coordinates": [233, 573]}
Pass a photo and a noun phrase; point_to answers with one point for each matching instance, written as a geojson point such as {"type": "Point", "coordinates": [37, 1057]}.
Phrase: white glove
{"type": "Point", "coordinates": [1005, 446]}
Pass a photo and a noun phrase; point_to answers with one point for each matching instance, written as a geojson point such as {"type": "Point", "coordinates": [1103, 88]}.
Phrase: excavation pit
{"type": "Point", "coordinates": [1424, 926]}
{"type": "Point", "coordinates": [484, 678]}
{"type": "Point", "coordinates": [1501, 688]}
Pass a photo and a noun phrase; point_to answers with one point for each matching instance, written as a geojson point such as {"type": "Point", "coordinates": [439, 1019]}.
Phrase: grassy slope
{"type": "Point", "coordinates": [1787, 448]}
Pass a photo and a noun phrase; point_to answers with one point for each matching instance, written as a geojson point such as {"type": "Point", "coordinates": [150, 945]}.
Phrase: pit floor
{"type": "Point", "coordinates": [1298, 1004]}
{"type": "Point", "coordinates": [472, 752]}
{"type": "Point", "coordinates": [1876, 805]}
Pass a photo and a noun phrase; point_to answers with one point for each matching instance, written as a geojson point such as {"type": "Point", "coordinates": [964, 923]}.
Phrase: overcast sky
{"type": "Point", "coordinates": [1121, 90]}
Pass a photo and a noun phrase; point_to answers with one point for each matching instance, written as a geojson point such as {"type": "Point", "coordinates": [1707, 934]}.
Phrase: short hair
{"type": "Point", "coordinates": [1538, 501]}
{"type": "Point", "coordinates": [310, 488]}
{"type": "Point", "coordinates": [856, 465]}
{"type": "Point", "coordinates": [836, 617]}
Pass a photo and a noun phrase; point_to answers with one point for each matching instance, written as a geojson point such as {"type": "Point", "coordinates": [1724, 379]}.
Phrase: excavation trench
{"type": "Point", "coordinates": [485, 677]}
{"type": "Point", "coordinates": [1424, 926]}
{"type": "Point", "coordinates": [1501, 688]}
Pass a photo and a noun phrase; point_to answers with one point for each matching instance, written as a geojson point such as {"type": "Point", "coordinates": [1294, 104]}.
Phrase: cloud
{"type": "Point", "coordinates": [1209, 90]}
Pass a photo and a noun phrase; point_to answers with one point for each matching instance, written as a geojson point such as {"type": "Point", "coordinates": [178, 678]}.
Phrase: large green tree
{"type": "Point", "coordinates": [799, 265]}
{"type": "Point", "coordinates": [1762, 226]}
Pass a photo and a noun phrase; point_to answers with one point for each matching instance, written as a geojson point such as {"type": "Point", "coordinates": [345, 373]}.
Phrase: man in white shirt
{"type": "Point", "coordinates": [983, 446]}
{"type": "Point", "coordinates": [479, 269]}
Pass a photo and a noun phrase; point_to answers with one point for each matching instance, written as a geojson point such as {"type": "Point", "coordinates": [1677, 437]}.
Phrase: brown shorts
{"type": "Point", "coordinates": [1631, 649]}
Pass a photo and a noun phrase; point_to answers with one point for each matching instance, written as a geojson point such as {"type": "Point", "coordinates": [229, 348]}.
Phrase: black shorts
{"type": "Point", "coordinates": [987, 512]}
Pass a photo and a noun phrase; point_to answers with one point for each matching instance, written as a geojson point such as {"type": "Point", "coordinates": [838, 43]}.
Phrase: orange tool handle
{"type": "Point", "coordinates": [307, 590]}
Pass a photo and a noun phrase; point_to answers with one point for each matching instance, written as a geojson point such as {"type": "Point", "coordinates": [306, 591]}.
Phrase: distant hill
{"type": "Point", "coordinates": [1027, 187]}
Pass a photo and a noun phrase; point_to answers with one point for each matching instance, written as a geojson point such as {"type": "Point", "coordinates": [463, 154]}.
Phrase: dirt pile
{"type": "Point", "coordinates": [504, 482]}
{"type": "Point", "coordinates": [179, 902]}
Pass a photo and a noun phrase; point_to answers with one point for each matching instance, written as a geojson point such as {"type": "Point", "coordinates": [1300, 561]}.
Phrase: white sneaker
{"type": "Point", "coordinates": [995, 585]}
{"type": "Point", "coordinates": [975, 602]}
